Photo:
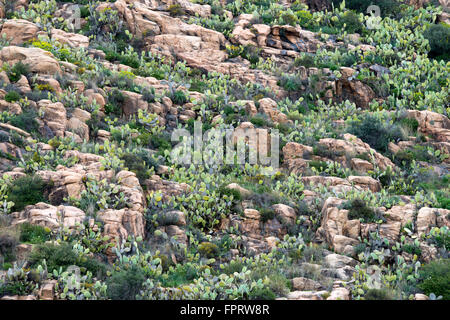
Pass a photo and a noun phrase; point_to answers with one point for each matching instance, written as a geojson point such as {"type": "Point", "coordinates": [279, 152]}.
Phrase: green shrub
{"type": "Point", "coordinates": [266, 214]}
{"type": "Point", "coordinates": [435, 278]}
{"type": "Point", "coordinates": [176, 10]}
{"type": "Point", "coordinates": [409, 123]}
{"type": "Point", "coordinates": [290, 82]}
{"type": "Point", "coordinates": [438, 36]}
{"type": "Point", "coordinates": [379, 294]}
{"type": "Point", "coordinates": [8, 244]}
{"type": "Point", "coordinates": [161, 141]}
{"type": "Point", "coordinates": [27, 190]}
{"type": "Point", "coordinates": [387, 7]}
{"type": "Point", "coordinates": [33, 234]}
{"type": "Point", "coordinates": [62, 255]}
{"type": "Point", "coordinates": [115, 100]}
{"type": "Point", "coordinates": [289, 18]}
{"type": "Point", "coordinates": [17, 70]}
{"type": "Point", "coordinates": [179, 97]}
{"type": "Point", "coordinates": [404, 156]}
{"type": "Point", "coordinates": [358, 209]}
{"type": "Point", "coordinates": [262, 294]}
{"type": "Point", "coordinates": [443, 200]}
{"type": "Point", "coordinates": [26, 121]}
{"type": "Point", "coordinates": [251, 53]}
{"type": "Point", "coordinates": [306, 60]}
{"type": "Point", "coordinates": [137, 165]}
{"type": "Point", "coordinates": [259, 121]}
{"type": "Point", "coordinates": [230, 192]}
{"type": "Point", "coordinates": [15, 288]}
{"type": "Point", "coordinates": [411, 249]}
{"type": "Point", "coordinates": [376, 133]}
{"type": "Point", "coordinates": [352, 23]}
{"type": "Point", "coordinates": [12, 96]}
{"type": "Point", "coordinates": [125, 284]}
{"type": "Point", "coordinates": [182, 274]}
{"type": "Point", "coordinates": [208, 249]}
{"type": "Point", "coordinates": [318, 165]}
{"type": "Point", "coordinates": [148, 95]}
{"type": "Point", "coordinates": [56, 256]}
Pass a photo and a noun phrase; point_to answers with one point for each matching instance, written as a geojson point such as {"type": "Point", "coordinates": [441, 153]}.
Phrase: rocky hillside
{"type": "Point", "coordinates": [95, 204]}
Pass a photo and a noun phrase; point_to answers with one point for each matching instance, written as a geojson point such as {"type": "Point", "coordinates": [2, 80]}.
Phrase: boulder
{"type": "Point", "coordinates": [46, 215]}
{"type": "Point", "coordinates": [337, 261]}
{"type": "Point", "coordinates": [73, 40]}
{"type": "Point", "coordinates": [19, 31]}
{"type": "Point", "coordinates": [305, 284]}
{"type": "Point", "coordinates": [39, 61]}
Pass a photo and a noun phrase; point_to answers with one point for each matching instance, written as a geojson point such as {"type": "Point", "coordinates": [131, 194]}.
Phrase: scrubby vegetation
{"type": "Point", "coordinates": [93, 180]}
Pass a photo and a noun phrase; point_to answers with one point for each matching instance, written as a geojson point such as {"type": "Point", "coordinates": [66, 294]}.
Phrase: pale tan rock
{"type": "Point", "coordinates": [81, 114]}
{"type": "Point", "coordinates": [79, 127]}
{"type": "Point", "coordinates": [46, 215]}
{"type": "Point", "coordinates": [94, 97]}
{"type": "Point", "coordinates": [339, 294]}
{"type": "Point", "coordinates": [133, 102]}
{"type": "Point", "coordinates": [39, 61]}
{"type": "Point", "coordinates": [243, 192]}
{"type": "Point", "coordinates": [73, 40]}
{"type": "Point", "coordinates": [252, 214]}
{"type": "Point", "coordinates": [177, 232]}
{"type": "Point", "coordinates": [391, 230]}
{"type": "Point", "coordinates": [118, 224]}
{"type": "Point", "coordinates": [23, 84]}
{"type": "Point", "coordinates": [269, 107]}
{"type": "Point", "coordinates": [51, 82]}
{"type": "Point", "coordinates": [47, 291]}
{"type": "Point", "coordinates": [403, 214]}
{"type": "Point", "coordinates": [343, 244]}
{"type": "Point", "coordinates": [19, 31]}
{"type": "Point", "coordinates": [366, 182]}
{"type": "Point", "coordinates": [352, 228]}
{"type": "Point", "coordinates": [54, 116]}
{"type": "Point", "coordinates": [306, 295]}
{"type": "Point", "coordinates": [420, 296]}
{"type": "Point", "coordinates": [305, 284]}
{"type": "Point", "coordinates": [296, 150]}
{"type": "Point", "coordinates": [361, 165]}
{"type": "Point", "coordinates": [426, 219]}
{"type": "Point", "coordinates": [337, 261]}
{"type": "Point", "coordinates": [284, 213]}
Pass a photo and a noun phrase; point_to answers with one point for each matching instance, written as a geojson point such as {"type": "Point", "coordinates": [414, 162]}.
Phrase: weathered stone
{"type": "Point", "coordinates": [19, 31]}
{"type": "Point", "coordinates": [39, 61]}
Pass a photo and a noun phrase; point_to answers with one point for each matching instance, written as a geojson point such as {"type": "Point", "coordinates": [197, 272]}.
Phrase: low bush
{"type": "Point", "coordinates": [33, 234]}
{"type": "Point", "coordinates": [379, 294]}
{"type": "Point", "coordinates": [179, 97]}
{"type": "Point", "coordinates": [62, 255]}
{"type": "Point", "coordinates": [435, 278]}
{"type": "Point", "coordinates": [352, 23]}
{"type": "Point", "coordinates": [358, 209]}
{"type": "Point", "coordinates": [137, 165]}
{"type": "Point", "coordinates": [12, 96]}
{"type": "Point", "coordinates": [266, 214]}
{"type": "Point", "coordinates": [376, 133]}
{"type": "Point", "coordinates": [176, 10]}
{"type": "Point", "coordinates": [17, 70]}
{"type": "Point", "coordinates": [208, 249]}
{"type": "Point", "coordinates": [26, 121]}
{"type": "Point", "coordinates": [27, 190]}
{"type": "Point", "coordinates": [8, 244]}
{"type": "Point", "coordinates": [262, 294]}
{"type": "Point", "coordinates": [387, 7]}
{"type": "Point", "coordinates": [125, 284]}
{"type": "Point", "coordinates": [438, 36]}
